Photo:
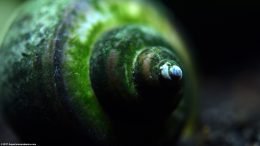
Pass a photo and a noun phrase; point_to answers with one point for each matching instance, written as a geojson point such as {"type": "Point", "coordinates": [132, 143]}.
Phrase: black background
{"type": "Point", "coordinates": [225, 42]}
{"type": "Point", "coordinates": [225, 34]}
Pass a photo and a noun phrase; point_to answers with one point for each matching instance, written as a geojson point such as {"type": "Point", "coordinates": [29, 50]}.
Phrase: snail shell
{"type": "Point", "coordinates": [96, 72]}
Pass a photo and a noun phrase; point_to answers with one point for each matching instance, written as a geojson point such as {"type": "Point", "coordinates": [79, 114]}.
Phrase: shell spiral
{"type": "Point", "coordinates": [101, 72]}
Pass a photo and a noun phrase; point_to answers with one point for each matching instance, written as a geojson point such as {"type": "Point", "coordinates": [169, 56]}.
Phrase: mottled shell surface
{"type": "Point", "coordinates": [45, 68]}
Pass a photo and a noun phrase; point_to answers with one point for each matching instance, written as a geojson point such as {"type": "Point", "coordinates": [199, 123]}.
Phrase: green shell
{"type": "Point", "coordinates": [46, 82]}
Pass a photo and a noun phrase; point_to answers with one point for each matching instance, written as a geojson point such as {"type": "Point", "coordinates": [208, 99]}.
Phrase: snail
{"type": "Point", "coordinates": [99, 72]}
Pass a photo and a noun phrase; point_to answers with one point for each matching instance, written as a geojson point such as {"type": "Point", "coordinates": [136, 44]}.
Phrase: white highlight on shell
{"type": "Point", "coordinates": [171, 72]}
{"type": "Point", "coordinates": [90, 21]}
{"type": "Point", "coordinates": [165, 71]}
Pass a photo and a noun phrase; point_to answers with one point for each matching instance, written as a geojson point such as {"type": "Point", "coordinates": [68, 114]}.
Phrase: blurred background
{"type": "Point", "coordinates": [224, 37]}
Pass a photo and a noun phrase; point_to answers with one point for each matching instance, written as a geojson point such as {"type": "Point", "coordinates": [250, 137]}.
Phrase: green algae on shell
{"type": "Point", "coordinates": [46, 69]}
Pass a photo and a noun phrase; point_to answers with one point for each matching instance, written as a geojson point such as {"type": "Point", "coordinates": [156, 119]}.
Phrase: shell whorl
{"type": "Point", "coordinates": [125, 71]}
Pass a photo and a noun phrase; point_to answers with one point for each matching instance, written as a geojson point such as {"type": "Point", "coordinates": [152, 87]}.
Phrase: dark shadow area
{"type": "Point", "coordinates": [225, 35]}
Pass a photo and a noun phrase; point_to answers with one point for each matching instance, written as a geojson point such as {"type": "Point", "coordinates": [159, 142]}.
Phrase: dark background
{"type": "Point", "coordinates": [225, 34]}
{"type": "Point", "coordinates": [224, 40]}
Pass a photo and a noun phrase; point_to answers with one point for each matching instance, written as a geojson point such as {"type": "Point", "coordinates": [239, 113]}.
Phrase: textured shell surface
{"type": "Point", "coordinates": [46, 53]}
